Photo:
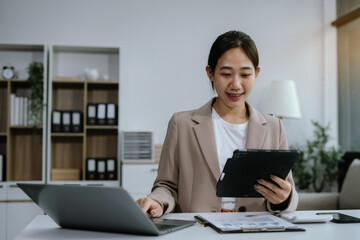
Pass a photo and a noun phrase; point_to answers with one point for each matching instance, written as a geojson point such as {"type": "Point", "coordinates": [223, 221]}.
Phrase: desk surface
{"type": "Point", "coordinates": [43, 227]}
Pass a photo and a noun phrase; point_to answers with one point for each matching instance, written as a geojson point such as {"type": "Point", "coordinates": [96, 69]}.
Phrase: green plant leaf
{"type": "Point", "coordinates": [317, 164]}
{"type": "Point", "coordinates": [36, 80]}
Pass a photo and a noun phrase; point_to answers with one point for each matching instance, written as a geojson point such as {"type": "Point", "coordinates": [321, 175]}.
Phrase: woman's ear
{"type": "Point", "coordinates": [209, 73]}
{"type": "Point", "coordinates": [257, 72]}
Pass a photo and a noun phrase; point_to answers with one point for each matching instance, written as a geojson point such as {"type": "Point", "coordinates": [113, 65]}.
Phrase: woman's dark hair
{"type": "Point", "coordinates": [232, 39]}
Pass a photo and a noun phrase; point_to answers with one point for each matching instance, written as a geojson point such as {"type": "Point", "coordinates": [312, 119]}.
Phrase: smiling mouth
{"type": "Point", "coordinates": [234, 96]}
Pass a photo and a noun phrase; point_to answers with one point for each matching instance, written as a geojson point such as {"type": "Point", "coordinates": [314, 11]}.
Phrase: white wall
{"type": "Point", "coordinates": [165, 45]}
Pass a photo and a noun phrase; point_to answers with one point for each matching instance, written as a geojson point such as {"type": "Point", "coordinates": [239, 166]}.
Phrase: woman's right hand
{"type": "Point", "coordinates": [151, 207]}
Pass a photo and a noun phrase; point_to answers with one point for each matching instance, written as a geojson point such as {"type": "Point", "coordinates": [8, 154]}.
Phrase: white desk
{"type": "Point", "coordinates": [43, 227]}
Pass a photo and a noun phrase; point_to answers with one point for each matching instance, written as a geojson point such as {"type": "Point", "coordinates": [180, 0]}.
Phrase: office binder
{"type": "Point", "coordinates": [76, 121]}
{"type": "Point", "coordinates": [1, 167]}
{"type": "Point", "coordinates": [101, 169]}
{"type": "Point", "coordinates": [56, 121]}
{"type": "Point", "coordinates": [246, 222]}
{"type": "Point", "coordinates": [101, 114]}
{"type": "Point", "coordinates": [91, 114]}
{"type": "Point", "coordinates": [90, 172]}
{"type": "Point", "coordinates": [66, 121]}
{"type": "Point", "coordinates": [111, 169]}
{"type": "Point", "coordinates": [111, 114]}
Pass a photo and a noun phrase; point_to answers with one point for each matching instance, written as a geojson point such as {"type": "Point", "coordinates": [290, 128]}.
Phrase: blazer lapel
{"type": "Point", "coordinates": [204, 132]}
{"type": "Point", "coordinates": [256, 129]}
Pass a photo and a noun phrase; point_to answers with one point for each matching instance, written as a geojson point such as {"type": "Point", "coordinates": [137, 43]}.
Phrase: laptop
{"type": "Point", "coordinates": [97, 209]}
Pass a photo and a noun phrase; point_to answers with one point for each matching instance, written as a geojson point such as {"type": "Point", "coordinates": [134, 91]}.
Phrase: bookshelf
{"type": "Point", "coordinates": [22, 144]}
{"type": "Point", "coordinates": [71, 90]}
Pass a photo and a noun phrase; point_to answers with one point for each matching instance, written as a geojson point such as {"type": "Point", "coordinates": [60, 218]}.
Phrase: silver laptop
{"type": "Point", "coordinates": [97, 209]}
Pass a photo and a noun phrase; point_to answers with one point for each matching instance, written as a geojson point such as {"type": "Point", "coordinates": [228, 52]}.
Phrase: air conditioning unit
{"type": "Point", "coordinates": [137, 146]}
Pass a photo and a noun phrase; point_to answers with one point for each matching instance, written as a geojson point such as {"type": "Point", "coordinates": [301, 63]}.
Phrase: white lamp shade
{"type": "Point", "coordinates": [282, 100]}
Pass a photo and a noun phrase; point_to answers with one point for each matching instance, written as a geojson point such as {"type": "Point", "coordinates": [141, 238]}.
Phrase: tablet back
{"type": "Point", "coordinates": [242, 171]}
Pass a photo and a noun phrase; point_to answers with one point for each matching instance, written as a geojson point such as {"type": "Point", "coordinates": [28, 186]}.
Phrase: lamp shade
{"type": "Point", "coordinates": [282, 100]}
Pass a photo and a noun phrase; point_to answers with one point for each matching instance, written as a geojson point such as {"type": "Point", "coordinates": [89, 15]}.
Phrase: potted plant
{"type": "Point", "coordinates": [36, 80]}
{"type": "Point", "coordinates": [317, 165]}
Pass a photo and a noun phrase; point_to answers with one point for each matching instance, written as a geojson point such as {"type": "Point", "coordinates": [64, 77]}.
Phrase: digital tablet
{"type": "Point", "coordinates": [242, 171]}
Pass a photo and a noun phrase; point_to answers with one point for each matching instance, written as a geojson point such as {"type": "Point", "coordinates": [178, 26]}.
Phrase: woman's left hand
{"type": "Point", "coordinates": [275, 194]}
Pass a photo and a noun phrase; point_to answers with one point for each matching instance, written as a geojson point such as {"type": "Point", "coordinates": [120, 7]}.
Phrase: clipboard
{"type": "Point", "coordinates": [246, 222]}
{"type": "Point", "coordinates": [242, 171]}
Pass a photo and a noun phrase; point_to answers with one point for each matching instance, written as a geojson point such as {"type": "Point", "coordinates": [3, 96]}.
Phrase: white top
{"type": "Point", "coordinates": [228, 137]}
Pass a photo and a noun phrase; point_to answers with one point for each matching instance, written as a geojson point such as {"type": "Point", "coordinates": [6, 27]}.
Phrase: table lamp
{"type": "Point", "coordinates": [282, 100]}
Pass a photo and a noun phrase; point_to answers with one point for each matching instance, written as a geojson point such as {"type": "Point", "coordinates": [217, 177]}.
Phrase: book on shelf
{"type": "Point", "coordinates": [12, 109]}
{"type": "Point", "coordinates": [25, 112]}
{"type": "Point", "coordinates": [20, 111]}
{"type": "Point", "coordinates": [17, 111]}
{"type": "Point", "coordinates": [30, 120]}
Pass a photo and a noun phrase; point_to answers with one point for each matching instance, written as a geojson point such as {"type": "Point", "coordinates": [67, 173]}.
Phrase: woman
{"type": "Point", "coordinates": [198, 142]}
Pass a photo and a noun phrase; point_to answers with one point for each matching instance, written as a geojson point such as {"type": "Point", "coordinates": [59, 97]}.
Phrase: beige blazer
{"type": "Point", "coordinates": [189, 166]}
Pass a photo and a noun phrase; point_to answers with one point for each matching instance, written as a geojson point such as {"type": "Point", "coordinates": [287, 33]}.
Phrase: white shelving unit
{"type": "Point", "coordinates": [24, 146]}
{"type": "Point", "coordinates": [70, 90]}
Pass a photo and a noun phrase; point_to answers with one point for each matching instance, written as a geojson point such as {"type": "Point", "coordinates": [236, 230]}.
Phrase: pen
{"type": "Point", "coordinates": [202, 221]}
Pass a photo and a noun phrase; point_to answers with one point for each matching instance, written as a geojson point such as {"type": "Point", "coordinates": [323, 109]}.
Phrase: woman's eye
{"type": "Point", "coordinates": [226, 74]}
{"type": "Point", "coordinates": [246, 75]}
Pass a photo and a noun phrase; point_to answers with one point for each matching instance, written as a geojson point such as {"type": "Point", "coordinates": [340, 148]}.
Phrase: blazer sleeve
{"type": "Point", "coordinates": [294, 198]}
{"type": "Point", "coordinates": [165, 186]}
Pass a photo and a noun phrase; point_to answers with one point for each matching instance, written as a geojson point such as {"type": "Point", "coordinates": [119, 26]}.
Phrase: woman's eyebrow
{"type": "Point", "coordinates": [226, 68]}
{"type": "Point", "coordinates": [231, 68]}
{"type": "Point", "coordinates": [246, 68]}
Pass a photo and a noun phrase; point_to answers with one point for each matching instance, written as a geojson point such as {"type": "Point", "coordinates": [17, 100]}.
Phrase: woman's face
{"type": "Point", "coordinates": [234, 78]}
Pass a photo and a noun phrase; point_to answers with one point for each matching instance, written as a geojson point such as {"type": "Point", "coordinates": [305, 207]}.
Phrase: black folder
{"type": "Point", "coordinates": [111, 169]}
{"type": "Point", "coordinates": [66, 121]}
{"type": "Point", "coordinates": [56, 121]}
{"type": "Point", "coordinates": [101, 114]}
{"type": "Point", "coordinates": [246, 222]}
{"type": "Point", "coordinates": [90, 171]}
{"type": "Point", "coordinates": [91, 114]}
{"type": "Point", "coordinates": [76, 121]}
{"type": "Point", "coordinates": [242, 171]}
{"type": "Point", "coordinates": [2, 167]}
{"type": "Point", "coordinates": [111, 114]}
{"type": "Point", "coordinates": [100, 169]}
